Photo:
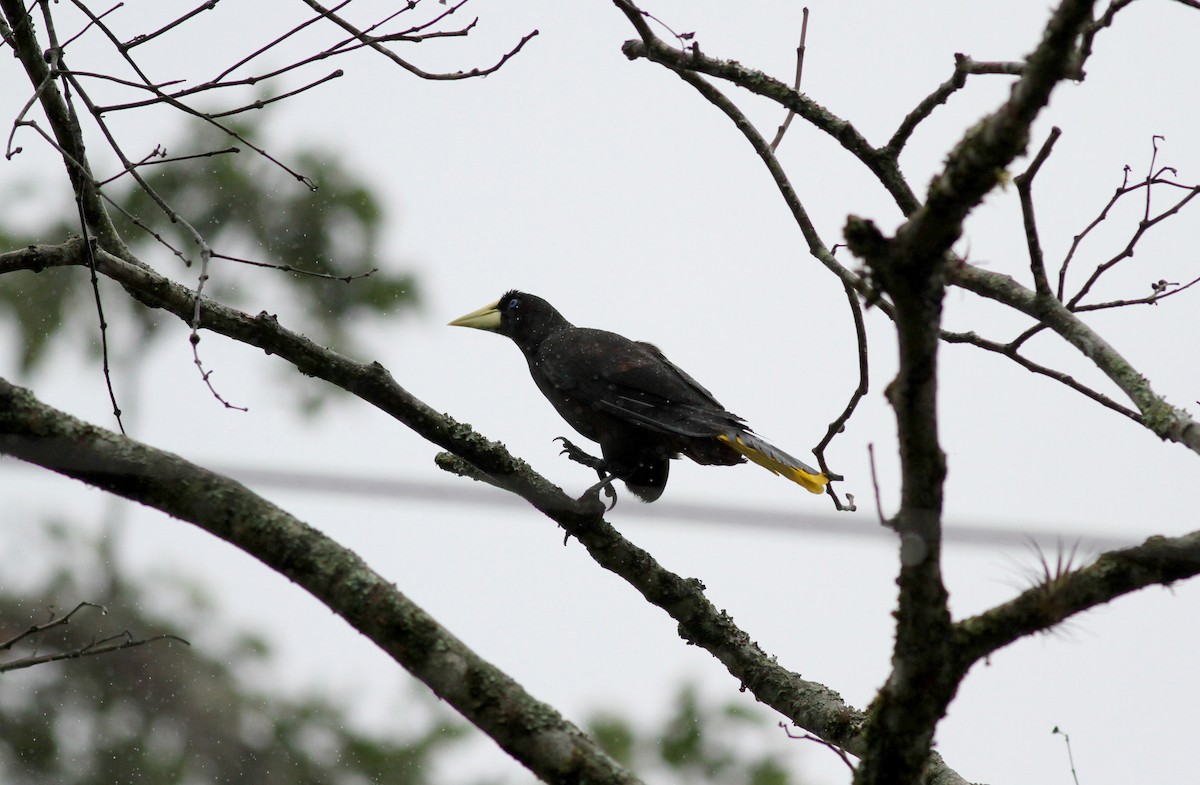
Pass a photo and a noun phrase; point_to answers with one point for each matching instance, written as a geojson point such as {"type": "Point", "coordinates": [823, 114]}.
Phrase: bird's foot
{"type": "Point", "coordinates": [606, 483]}
{"type": "Point", "coordinates": [579, 456]}
{"type": "Point", "coordinates": [606, 479]}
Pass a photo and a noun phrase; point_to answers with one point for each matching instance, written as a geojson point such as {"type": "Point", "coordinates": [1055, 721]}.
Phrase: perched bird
{"type": "Point", "coordinates": [641, 408]}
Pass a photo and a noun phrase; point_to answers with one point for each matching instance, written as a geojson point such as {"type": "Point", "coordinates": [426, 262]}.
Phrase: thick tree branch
{"type": "Point", "coordinates": [529, 730]}
{"type": "Point", "coordinates": [67, 132]}
{"type": "Point", "coordinates": [1158, 561]}
{"type": "Point", "coordinates": [909, 706]}
{"type": "Point", "coordinates": [975, 165]}
{"type": "Point", "coordinates": [911, 269]}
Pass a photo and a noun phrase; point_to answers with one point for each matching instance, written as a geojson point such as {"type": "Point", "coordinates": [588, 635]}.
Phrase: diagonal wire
{"type": "Point", "coordinates": [973, 533]}
{"type": "Point", "coordinates": [970, 533]}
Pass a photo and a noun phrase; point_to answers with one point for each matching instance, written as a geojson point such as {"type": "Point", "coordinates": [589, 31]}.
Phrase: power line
{"type": "Point", "coordinates": [860, 525]}
{"type": "Point", "coordinates": [838, 525]}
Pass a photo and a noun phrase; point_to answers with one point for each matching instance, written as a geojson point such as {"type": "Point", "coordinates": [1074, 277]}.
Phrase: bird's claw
{"type": "Point", "coordinates": [606, 480]}
{"type": "Point", "coordinates": [606, 483]}
{"type": "Point", "coordinates": [578, 455]}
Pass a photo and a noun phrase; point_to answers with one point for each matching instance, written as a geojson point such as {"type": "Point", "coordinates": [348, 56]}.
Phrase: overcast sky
{"type": "Point", "coordinates": [611, 189]}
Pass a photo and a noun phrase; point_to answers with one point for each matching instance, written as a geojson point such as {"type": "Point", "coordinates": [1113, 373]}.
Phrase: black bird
{"type": "Point", "coordinates": [641, 408]}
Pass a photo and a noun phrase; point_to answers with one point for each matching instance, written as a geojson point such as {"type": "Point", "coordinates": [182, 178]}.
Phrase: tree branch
{"type": "Point", "coordinates": [67, 132]}
{"type": "Point", "coordinates": [377, 45]}
{"type": "Point", "coordinates": [531, 731]}
{"type": "Point", "coordinates": [963, 66]}
{"type": "Point", "coordinates": [1012, 351]}
{"type": "Point", "coordinates": [1166, 421]}
{"type": "Point", "coordinates": [911, 268]}
{"type": "Point", "coordinates": [1024, 181]}
{"type": "Point", "coordinates": [878, 161]}
{"type": "Point", "coordinates": [1158, 561]}
{"type": "Point", "coordinates": [122, 640]}
{"type": "Point", "coordinates": [816, 248]}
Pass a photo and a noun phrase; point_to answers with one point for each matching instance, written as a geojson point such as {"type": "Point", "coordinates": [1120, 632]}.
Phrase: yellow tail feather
{"type": "Point", "coordinates": [811, 481]}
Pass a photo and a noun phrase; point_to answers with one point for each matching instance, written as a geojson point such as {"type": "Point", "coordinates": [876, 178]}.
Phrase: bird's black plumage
{"type": "Point", "coordinates": [626, 395]}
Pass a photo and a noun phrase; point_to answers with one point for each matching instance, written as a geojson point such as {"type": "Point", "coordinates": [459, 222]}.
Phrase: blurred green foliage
{"type": "Point", "coordinates": [698, 743]}
{"type": "Point", "coordinates": [167, 713]}
{"type": "Point", "coordinates": [245, 206]}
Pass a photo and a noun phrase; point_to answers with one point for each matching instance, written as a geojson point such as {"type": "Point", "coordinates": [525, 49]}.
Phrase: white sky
{"type": "Point", "coordinates": [614, 191]}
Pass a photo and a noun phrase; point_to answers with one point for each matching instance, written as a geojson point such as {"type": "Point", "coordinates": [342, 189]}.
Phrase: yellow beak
{"type": "Point", "coordinates": [485, 318]}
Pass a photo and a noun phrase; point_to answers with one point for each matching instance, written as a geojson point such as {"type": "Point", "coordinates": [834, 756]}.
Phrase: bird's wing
{"type": "Point", "coordinates": [632, 380]}
{"type": "Point", "coordinates": [683, 375]}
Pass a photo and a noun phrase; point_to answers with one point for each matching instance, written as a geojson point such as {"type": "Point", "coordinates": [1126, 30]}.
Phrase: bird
{"type": "Point", "coordinates": [641, 408]}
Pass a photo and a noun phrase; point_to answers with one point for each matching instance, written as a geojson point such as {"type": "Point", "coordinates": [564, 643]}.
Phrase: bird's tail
{"type": "Point", "coordinates": [776, 460]}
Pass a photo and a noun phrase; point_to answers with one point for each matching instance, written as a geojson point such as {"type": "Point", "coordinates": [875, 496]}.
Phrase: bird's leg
{"type": "Point", "coordinates": [579, 456]}
{"type": "Point", "coordinates": [599, 464]}
{"type": "Point", "coordinates": [606, 482]}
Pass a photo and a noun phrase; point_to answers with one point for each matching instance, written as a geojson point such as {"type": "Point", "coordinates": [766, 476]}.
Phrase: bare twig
{"type": "Point", "coordinates": [122, 640]}
{"type": "Point", "coordinates": [206, 254]}
{"type": "Point", "coordinates": [1153, 177]}
{"type": "Point", "coordinates": [407, 66]}
{"type": "Point", "coordinates": [1122, 189]}
{"type": "Point", "coordinates": [1161, 418]}
{"type": "Point", "coordinates": [54, 622]}
{"type": "Point", "coordinates": [95, 282]}
{"type": "Point", "coordinates": [1161, 291]}
{"type": "Point", "coordinates": [835, 749]}
{"type": "Point", "coordinates": [816, 247]}
{"type": "Point", "coordinates": [839, 423]}
{"type": "Point", "coordinates": [1070, 757]}
{"type": "Point", "coordinates": [200, 240]}
{"type": "Point", "coordinates": [883, 520]}
{"type": "Point", "coordinates": [413, 33]}
{"type": "Point", "coordinates": [138, 40]}
{"type": "Point", "coordinates": [787, 121]}
{"type": "Point", "coordinates": [1024, 182]}
{"type": "Point", "coordinates": [287, 268]}
{"type": "Point", "coordinates": [97, 113]}
{"type": "Point", "coordinates": [159, 156]}
{"type": "Point", "coordinates": [262, 102]}
{"type": "Point", "coordinates": [878, 161]}
{"type": "Point", "coordinates": [1087, 40]}
{"type": "Point", "coordinates": [963, 66]}
{"type": "Point", "coordinates": [53, 54]}
{"type": "Point", "coordinates": [220, 78]}
{"type": "Point", "coordinates": [1010, 351]}
{"type": "Point", "coordinates": [88, 26]}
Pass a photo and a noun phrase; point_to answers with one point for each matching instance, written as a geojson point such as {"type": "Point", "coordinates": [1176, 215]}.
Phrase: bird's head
{"type": "Point", "coordinates": [523, 317]}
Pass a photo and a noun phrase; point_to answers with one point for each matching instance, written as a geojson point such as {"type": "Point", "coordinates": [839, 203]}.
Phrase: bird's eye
{"type": "Point", "coordinates": [514, 304]}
